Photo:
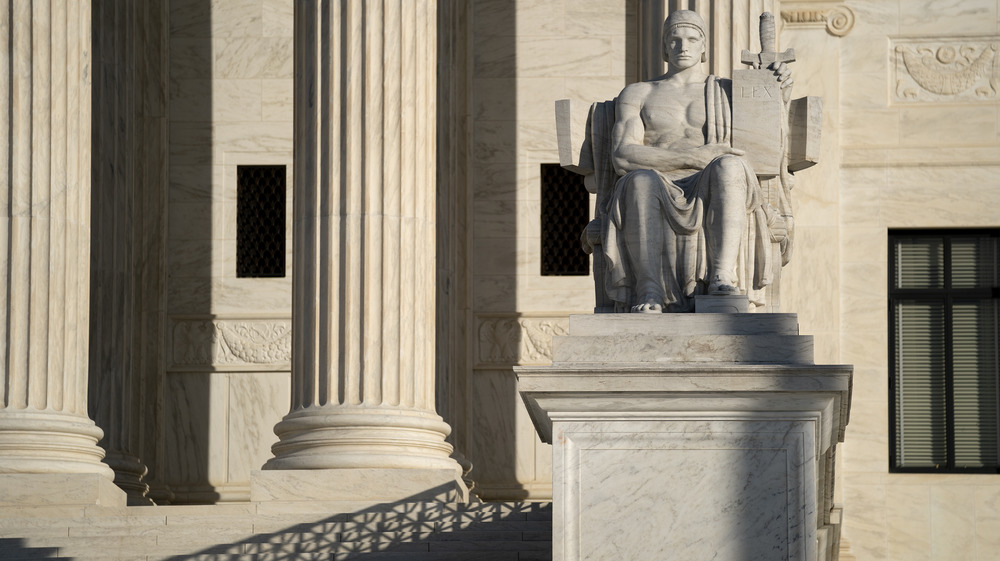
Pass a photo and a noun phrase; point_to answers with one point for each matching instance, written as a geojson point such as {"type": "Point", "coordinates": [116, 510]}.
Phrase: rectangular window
{"type": "Point", "coordinates": [260, 221]}
{"type": "Point", "coordinates": [565, 213]}
{"type": "Point", "coordinates": [943, 323]}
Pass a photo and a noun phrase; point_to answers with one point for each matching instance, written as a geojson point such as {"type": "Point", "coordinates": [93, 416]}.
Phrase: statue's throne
{"type": "Point", "coordinates": [594, 162]}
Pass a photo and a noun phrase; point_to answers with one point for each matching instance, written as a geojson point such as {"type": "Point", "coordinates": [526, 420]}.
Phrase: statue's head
{"type": "Point", "coordinates": [680, 27]}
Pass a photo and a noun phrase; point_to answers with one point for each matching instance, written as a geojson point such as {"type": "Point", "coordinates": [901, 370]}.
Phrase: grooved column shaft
{"type": "Point", "coordinates": [45, 117]}
{"type": "Point", "coordinates": [364, 241]}
{"type": "Point", "coordinates": [45, 237]}
{"type": "Point", "coordinates": [127, 232]}
{"type": "Point", "coordinates": [364, 203]}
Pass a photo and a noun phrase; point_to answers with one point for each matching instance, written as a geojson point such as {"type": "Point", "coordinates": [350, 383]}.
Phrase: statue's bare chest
{"type": "Point", "coordinates": [673, 114]}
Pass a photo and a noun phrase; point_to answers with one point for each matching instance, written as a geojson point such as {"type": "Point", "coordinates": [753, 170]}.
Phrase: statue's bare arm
{"type": "Point", "coordinates": [630, 151]}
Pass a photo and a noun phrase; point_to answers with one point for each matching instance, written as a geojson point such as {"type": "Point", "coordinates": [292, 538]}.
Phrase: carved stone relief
{"type": "Point", "coordinates": [945, 69]}
{"type": "Point", "coordinates": [838, 20]}
{"type": "Point", "coordinates": [231, 343]}
{"type": "Point", "coordinates": [509, 340]}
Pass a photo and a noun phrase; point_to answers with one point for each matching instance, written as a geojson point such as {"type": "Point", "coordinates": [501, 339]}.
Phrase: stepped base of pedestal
{"type": "Point", "coordinates": [59, 489]}
{"type": "Point", "coordinates": [365, 485]}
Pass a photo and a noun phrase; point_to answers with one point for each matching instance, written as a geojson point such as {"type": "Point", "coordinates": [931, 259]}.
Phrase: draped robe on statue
{"type": "Point", "coordinates": [683, 203]}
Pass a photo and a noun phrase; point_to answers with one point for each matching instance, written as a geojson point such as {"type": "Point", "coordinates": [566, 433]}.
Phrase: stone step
{"type": "Point", "coordinates": [223, 529]}
{"type": "Point", "coordinates": [446, 556]}
{"type": "Point", "coordinates": [417, 531]}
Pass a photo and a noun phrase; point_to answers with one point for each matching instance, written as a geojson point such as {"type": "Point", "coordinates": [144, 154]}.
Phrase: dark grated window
{"type": "Point", "coordinates": [260, 221]}
{"type": "Point", "coordinates": [565, 213]}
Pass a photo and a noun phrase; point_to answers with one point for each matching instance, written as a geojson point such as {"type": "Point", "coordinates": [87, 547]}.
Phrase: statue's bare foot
{"type": "Point", "coordinates": [649, 305]}
{"type": "Point", "coordinates": [723, 285]}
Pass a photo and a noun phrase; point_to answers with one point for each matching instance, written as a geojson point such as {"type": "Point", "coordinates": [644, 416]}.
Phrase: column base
{"type": "Point", "coordinates": [360, 454]}
{"type": "Point", "coordinates": [36, 441]}
{"type": "Point", "coordinates": [356, 437]}
{"type": "Point", "coordinates": [371, 486]}
{"type": "Point", "coordinates": [59, 490]}
{"type": "Point", "coordinates": [129, 473]}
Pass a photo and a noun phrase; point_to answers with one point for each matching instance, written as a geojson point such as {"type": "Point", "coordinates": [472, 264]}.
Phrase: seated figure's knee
{"type": "Point", "coordinates": [729, 172]}
{"type": "Point", "coordinates": [730, 164]}
{"type": "Point", "coordinates": [642, 184]}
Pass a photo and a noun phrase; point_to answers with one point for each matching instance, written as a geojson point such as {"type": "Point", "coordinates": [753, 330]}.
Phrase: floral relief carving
{"type": "Point", "coordinates": [947, 70]}
{"type": "Point", "coordinates": [518, 340]}
{"type": "Point", "coordinates": [220, 342]}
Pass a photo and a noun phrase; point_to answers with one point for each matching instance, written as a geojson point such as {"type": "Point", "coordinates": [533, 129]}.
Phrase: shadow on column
{"type": "Point", "coordinates": [153, 244]}
{"type": "Point", "coordinates": [194, 202]}
{"type": "Point", "coordinates": [129, 143]}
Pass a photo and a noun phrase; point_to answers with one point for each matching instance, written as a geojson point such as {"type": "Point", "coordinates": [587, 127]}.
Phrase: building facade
{"type": "Point", "coordinates": [152, 238]}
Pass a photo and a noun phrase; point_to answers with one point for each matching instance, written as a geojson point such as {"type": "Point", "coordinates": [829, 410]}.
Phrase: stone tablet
{"type": "Point", "coordinates": [757, 116]}
{"type": "Point", "coordinates": [757, 105]}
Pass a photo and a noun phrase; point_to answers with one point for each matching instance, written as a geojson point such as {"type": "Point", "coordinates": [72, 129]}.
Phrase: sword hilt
{"type": "Point", "coordinates": [768, 54]}
{"type": "Point", "coordinates": [767, 41]}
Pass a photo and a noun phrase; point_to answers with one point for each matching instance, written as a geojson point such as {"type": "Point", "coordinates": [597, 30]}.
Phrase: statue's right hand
{"type": "Point", "coordinates": [703, 155]}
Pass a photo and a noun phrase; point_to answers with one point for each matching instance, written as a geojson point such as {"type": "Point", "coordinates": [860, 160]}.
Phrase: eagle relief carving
{"type": "Point", "coordinates": [947, 70]}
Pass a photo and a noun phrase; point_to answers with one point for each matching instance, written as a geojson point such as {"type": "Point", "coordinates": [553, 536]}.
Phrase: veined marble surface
{"type": "Point", "coordinates": [727, 490]}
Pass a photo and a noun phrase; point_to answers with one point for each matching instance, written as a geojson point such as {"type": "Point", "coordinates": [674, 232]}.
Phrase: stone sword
{"type": "Point", "coordinates": [768, 53]}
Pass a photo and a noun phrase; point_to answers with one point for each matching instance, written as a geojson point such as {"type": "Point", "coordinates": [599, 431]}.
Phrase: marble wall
{"type": "Point", "coordinates": [911, 158]}
{"type": "Point", "coordinates": [525, 55]}
{"type": "Point", "coordinates": [228, 338]}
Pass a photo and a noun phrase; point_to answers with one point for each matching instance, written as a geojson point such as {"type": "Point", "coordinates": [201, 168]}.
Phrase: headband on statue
{"type": "Point", "coordinates": [683, 18]}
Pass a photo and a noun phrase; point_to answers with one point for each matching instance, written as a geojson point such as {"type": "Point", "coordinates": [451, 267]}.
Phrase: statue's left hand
{"type": "Point", "coordinates": [784, 76]}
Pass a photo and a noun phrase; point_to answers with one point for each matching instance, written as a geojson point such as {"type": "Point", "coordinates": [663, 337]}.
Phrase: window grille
{"type": "Point", "coordinates": [944, 379]}
{"type": "Point", "coordinates": [260, 221]}
{"type": "Point", "coordinates": [565, 213]}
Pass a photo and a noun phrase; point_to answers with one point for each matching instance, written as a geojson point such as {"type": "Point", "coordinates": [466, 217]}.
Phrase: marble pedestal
{"type": "Point", "coordinates": [690, 436]}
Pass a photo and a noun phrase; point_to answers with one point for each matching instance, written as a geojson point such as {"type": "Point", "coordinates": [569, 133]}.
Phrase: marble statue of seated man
{"type": "Point", "coordinates": [687, 215]}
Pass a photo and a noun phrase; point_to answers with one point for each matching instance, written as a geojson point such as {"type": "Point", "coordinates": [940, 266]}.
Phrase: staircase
{"type": "Point", "coordinates": [269, 532]}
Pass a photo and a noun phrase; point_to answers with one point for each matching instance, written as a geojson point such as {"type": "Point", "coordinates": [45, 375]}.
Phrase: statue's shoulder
{"type": "Point", "coordinates": [635, 93]}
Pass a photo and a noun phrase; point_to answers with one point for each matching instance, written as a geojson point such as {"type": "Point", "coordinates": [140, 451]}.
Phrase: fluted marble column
{"type": "Point", "coordinates": [364, 239]}
{"type": "Point", "coordinates": [45, 239]}
{"type": "Point", "coordinates": [127, 232]}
